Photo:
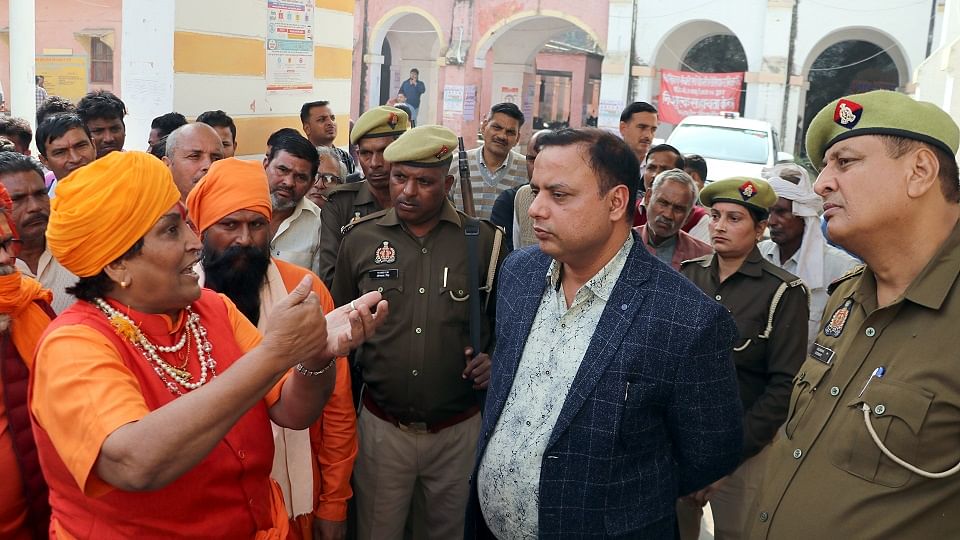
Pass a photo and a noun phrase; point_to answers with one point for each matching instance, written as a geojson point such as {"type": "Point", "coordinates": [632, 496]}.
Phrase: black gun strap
{"type": "Point", "coordinates": [471, 229]}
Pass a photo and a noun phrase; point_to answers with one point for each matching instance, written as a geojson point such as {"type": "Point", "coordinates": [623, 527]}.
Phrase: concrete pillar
{"type": "Point", "coordinates": [146, 60]}
{"type": "Point", "coordinates": [21, 95]}
{"type": "Point", "coordinates": [372, 63]}
{"type": "Point", "coordinates": [615, 71]}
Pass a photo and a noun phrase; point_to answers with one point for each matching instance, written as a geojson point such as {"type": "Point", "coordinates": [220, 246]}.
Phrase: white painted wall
{"type": "Point", "coordinates": [147, 66]}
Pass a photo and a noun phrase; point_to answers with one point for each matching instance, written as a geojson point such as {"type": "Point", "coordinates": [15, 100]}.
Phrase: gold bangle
{"type": "Point", "coordinates": [301, 369]}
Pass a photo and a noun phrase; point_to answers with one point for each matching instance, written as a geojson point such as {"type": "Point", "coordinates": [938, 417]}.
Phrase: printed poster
{"type": "Point", "coordinates": [453, 102]}
{"type": "Point", "coordinates": [685, 93]}
{"type": "Point", "coordinates": [289, 46]}
{"type": "Point", "coordinates": [64, 76]}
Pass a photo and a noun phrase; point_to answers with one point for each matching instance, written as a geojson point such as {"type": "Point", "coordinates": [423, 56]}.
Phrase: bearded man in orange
{"type": "Point", "coordinates": [25, 313]}
{"type": "Point", "coordinates": [231, 208]}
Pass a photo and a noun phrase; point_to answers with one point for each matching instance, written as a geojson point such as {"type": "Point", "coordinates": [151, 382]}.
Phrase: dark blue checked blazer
{"type": "Point", "coordinates": [653, 413]}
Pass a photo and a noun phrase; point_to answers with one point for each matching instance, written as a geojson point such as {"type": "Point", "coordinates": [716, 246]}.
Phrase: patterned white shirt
{"type": "Point", "coordinates": [52, 275]}
{"type": "Point", "coordinates": [509, 475]}
{"type": "Point", "coordinates": [298, 238]}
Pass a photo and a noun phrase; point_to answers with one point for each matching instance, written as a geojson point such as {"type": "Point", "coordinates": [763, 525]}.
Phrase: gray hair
{"type": "Point", "coordinates": [330, 152]}
{"type": "Point", "coordinates": [676, 175]}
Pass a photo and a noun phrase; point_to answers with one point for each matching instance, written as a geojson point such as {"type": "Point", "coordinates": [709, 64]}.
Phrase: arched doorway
{"type": "Point", "coordinates": [702, 46]}
{"type": "Point", "coordinates": [850, 62]}
{"type": "Point", "coordinates": [547, 62]}
{"type": "Point", "coordinates": [405, 38]}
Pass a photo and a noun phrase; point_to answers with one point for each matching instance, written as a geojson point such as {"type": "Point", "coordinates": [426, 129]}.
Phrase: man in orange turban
{"type": "Point", "coordinates": [231, 208]}
{"type": "Point", "coordinates": [24, 314]}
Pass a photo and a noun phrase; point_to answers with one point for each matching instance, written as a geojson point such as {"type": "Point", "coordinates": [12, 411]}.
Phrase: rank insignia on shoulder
{"type": "Point", "coordinates": [385, 254]}
{"type": "Point", "coordinates": [839, 319]}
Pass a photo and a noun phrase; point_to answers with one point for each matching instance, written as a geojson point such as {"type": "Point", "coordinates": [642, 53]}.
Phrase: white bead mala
{"type": "Point", "coordinates": [125, 327]}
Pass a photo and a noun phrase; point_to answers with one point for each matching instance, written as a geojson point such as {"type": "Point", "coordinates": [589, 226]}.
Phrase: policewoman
{"type": "Point", "coordinates": [770, 307]}
{"type": "Point", "coordinates": [419, 422]}
{"type": "Point", "coordinates": [871, 446]}
{"type": "Point", "coordinates": [374, 131]}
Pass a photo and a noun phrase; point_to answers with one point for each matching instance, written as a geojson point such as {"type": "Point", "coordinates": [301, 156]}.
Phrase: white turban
{"type": "Point", "coordinates": [806, 204]}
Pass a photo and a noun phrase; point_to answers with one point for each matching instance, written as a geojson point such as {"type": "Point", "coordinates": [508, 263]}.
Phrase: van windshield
{"type": "Point", "coordinates": [730, 144]}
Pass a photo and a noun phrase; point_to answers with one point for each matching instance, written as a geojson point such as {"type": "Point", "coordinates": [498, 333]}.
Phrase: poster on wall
{"type": "Point", "coordinates": [289, 46]}
{"type": "Point", "coordinates": [684, 93]}
{"type": "Point", "coordinates": [470, 103]}
{"type": "Point", "coordinates": [452, 102]}
{"type": "Point", "coordinates": [529, 94]}
{"type": "Point", "coordinates": [64, 76]}
{"type": "Point", "coordinates": [510, 94]}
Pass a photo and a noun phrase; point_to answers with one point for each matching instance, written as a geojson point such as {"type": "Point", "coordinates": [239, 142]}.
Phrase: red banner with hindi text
{"type": "Point", "coordinates": [685, 93]}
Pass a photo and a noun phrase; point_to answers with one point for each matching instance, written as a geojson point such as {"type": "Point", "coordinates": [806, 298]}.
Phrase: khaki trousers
{"type": "Point", "coordinates": [728, 504]}
{"type": "Point", "coordinates": [393, 466]}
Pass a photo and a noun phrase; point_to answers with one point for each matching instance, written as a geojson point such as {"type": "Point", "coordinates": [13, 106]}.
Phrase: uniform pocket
{"type": "Point", "coordinates": [388, 282]}
{"type": "Point", "coordinates": [897, 413]}
{"type": "Point", "coordinates": [805, 384]}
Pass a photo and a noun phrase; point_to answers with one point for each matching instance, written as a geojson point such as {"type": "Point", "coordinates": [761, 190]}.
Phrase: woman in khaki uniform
{"type": "Point", "coordinates": [771, 308]}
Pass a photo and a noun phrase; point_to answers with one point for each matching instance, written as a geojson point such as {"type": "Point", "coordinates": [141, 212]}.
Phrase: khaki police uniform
{"type": "Point", "coordinates": [894, 370]}
{"type": "Point", "coordinates": [349, 202]}
{"type": "Point", "coordinates": [420, 421]}
{"type": "Point", "coordinates": [771, 308]}
{"type": "Point", "coordinates": [346, 203]}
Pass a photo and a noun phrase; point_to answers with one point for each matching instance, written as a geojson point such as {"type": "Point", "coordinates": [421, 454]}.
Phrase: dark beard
{"type": "Point", "coordinates": [238, 272]}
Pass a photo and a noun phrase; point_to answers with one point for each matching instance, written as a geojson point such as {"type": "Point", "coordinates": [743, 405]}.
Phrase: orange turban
{"type": "Point", "coordinates": [231, 184]}
{"type": "Point", "coordinates": [102, 209]}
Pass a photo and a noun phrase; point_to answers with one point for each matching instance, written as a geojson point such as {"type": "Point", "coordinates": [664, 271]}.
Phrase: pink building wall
{"type": "Point", "coordinates": [57, 23]}
{"type": "Point", "coordinates": [583, 68]}
{"type": "Point", "coordinates": [476, 19]}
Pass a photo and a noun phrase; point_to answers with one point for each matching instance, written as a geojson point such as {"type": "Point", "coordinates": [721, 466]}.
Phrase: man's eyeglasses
{"type": "Point", "coordinates": [327, 178]}
{"type": "Point", "coordinates": [12, 245]}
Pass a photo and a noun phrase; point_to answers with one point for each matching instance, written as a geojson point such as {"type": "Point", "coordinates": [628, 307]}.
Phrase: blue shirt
{"type": "Point", "coordinates": [413, 92]}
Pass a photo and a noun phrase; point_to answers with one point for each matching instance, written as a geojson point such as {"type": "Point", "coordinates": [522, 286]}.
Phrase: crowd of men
{"type": "Point", "coordinates": [541, 374]}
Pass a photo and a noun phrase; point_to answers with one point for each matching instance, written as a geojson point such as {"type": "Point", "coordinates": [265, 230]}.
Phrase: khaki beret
{"type": "Point", "coordinates": [749, 192]}
{"type": "Point", "coordinates": [880, 112]}
{"type": "Point", "coordinates": [423, 146]}
{"type": "Point", "coordinates": [383, 121]}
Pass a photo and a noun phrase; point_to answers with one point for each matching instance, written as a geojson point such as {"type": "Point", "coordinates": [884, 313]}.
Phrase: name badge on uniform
{"type": "Point", "coordinates": [839, 319]}
{"type": "Point", "coordinates": [385, 254]}
{"type": "Point", "coordinates": [822, 354]}
{"type": "Point", "coordinates": [387, 273]}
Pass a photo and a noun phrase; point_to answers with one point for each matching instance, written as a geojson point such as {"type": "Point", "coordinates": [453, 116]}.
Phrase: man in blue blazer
{"type": "Point", "coordinates": [612, 391]}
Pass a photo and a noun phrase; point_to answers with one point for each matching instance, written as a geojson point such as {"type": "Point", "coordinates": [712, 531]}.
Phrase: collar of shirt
{"type": "Point", "coordinates": [603, 282]}
{"type": "Point", "coordinates": [364, 195]}
{"type": "Point", "coordinates": [932, 284]}
{"type": "Point", "coordinates": [304, 204]}
{"type": "Point", "coordinates": [771, 251]}
{"type": "Point", "coordinates": [491, 176]}
{"type": "Point", "coordinates": [752, 266]}
{"type": "Point", "coordinates": [448, 213]}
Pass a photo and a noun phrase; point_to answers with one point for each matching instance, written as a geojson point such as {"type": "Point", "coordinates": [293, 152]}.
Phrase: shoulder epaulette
{"type": "Point", "coordinates": [781, 274]}
{"type": "Point", "coordinates": [699, 259]}
{"type": "Point", "coordinates": [853, 272]}
{"type": "Point", "coordinates": [346, 228]}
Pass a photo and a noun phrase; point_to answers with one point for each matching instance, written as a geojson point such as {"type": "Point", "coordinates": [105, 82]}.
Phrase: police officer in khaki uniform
{"type": "Point", "coordinates": [374, 131]}
{"type": "Point", "coordinates": [770, 306]}
{"type": "Point", "coordinates": [870, 447]}
{"type": "Point", "coordinates": [420, 419]}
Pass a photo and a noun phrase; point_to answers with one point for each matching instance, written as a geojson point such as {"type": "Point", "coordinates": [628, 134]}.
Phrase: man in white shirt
{"type": "Point", "coordinates": [291, 169]}
{"type": "Point", "coordinates": [22, 176]}
{"type": "Point", "coordinates": [796, 242]}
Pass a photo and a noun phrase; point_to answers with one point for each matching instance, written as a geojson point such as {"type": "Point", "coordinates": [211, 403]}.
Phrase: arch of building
{"type": "Point", "coordinates": [881, 39]}
{"type": "Point", "coordinates": [884, 41]}
{"type": "Point", "coordinates": [676, 43]}
{"type": "Point", "coordinates": [416, 39]}
{"type": "Point", "coordinates": [506, 55]}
